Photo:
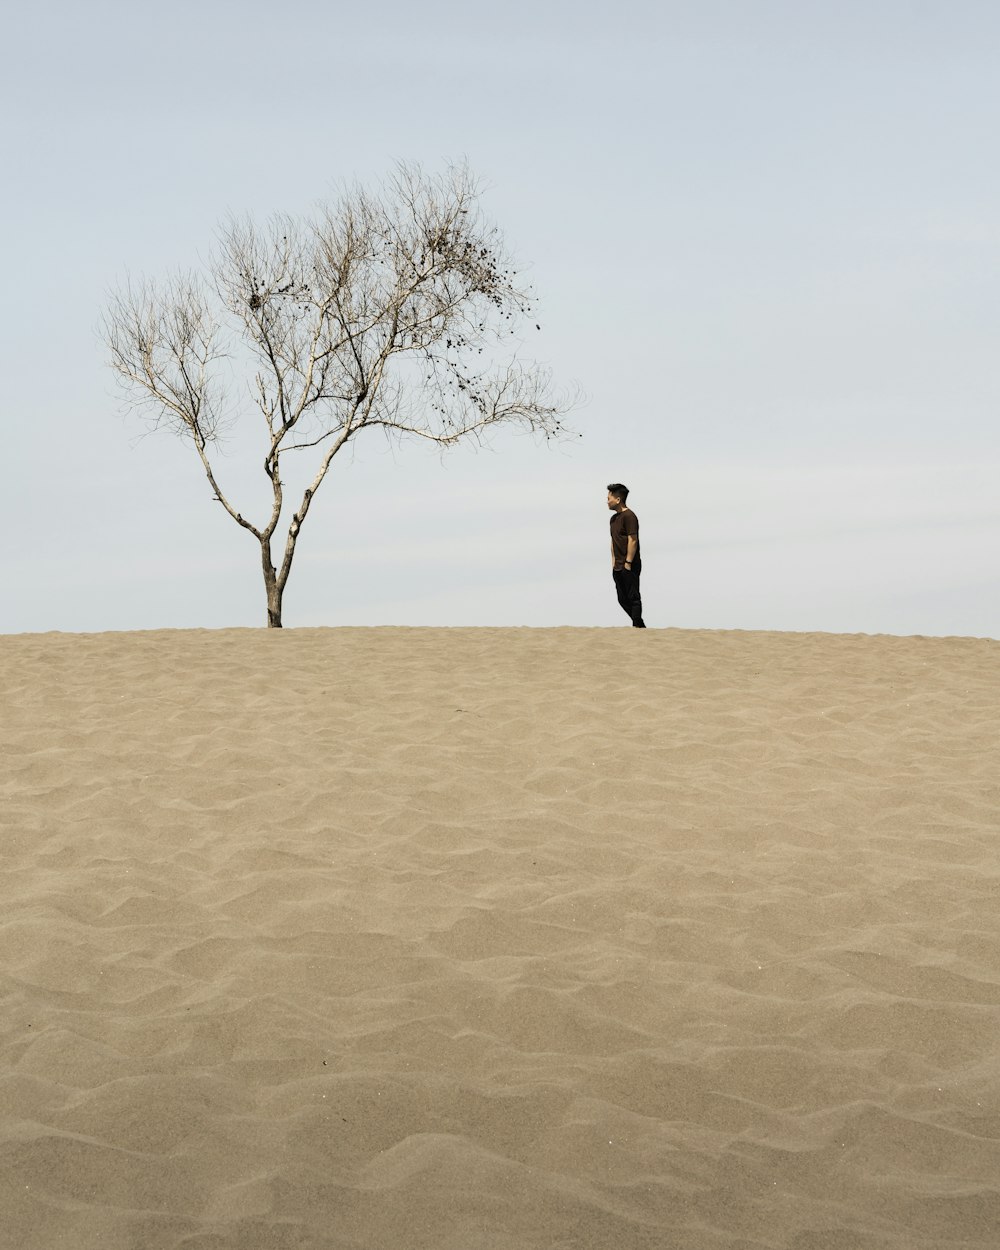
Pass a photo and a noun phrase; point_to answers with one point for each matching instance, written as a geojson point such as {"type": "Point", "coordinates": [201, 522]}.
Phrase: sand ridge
{"type": "Point", "coordinates": [490, 938]}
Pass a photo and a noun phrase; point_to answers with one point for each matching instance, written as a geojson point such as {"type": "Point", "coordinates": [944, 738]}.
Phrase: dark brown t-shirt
{"type": "Point", "coordinates": [624, 525]}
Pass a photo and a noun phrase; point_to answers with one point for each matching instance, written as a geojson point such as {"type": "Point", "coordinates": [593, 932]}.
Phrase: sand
{"type": "Point", "coordinates": [489, 939]}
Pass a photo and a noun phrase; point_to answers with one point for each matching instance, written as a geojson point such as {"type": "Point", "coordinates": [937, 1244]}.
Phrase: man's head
{"type": "Point", "coordinates": [617, 494]}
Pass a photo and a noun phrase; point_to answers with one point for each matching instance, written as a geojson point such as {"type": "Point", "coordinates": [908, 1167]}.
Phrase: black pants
{"type": "Point", "coordinates": [627, 585]}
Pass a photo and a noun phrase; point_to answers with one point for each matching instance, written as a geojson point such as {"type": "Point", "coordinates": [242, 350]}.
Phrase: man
{"type": "Point", "coordinates": [626, 564]}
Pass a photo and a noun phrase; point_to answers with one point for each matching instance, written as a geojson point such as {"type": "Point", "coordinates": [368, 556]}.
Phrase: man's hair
{"type": "Point", "coordinates": [618, 490]}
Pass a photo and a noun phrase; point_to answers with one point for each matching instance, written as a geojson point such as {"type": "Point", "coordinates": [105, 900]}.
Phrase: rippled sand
{"type": "Point", "coordinates": [490, 939]}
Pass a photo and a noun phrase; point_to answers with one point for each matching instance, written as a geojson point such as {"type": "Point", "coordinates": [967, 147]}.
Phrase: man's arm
{"type": "Point", "coordinates": [632, 534]}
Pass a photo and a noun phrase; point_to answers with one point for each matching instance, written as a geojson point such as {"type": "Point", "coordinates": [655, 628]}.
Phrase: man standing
{"type": "Point", "coordinates": [626, 564]}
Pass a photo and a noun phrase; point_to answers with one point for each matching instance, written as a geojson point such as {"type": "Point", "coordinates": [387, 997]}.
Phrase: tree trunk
{"type": "Point", "coordinates": [274, 591]}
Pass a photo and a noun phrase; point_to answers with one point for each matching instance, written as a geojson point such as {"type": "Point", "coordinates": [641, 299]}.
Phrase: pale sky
{"type": "Point", "coordinates": [765, 237]}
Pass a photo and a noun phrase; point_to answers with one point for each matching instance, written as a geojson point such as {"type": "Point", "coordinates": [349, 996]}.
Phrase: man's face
{"type": "Point", "coordinates": [613, 501]}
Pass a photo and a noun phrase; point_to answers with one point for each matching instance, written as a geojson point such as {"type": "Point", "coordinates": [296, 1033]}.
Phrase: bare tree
{"type": "Point", "coordinates": [378, 312]}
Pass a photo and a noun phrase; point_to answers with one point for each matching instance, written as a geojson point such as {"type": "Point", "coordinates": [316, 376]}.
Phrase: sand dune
{"type": "Point", "coordinates": [483, 939]}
